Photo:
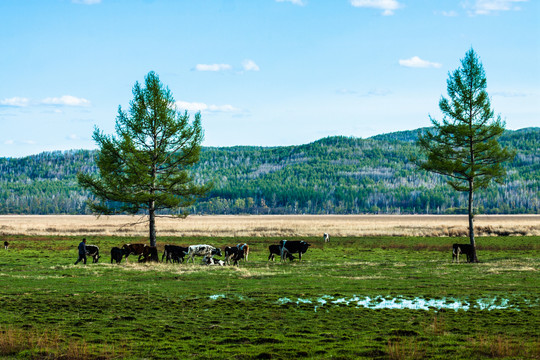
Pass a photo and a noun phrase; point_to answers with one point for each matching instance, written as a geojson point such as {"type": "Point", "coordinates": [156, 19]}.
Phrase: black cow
{"type": "Point", "coordinates": [6, 245]}
{"type": "Point", "coordinates": [234, 253]}
{"type": "Point", "coordinates": [93, 251]}
{"type": "Point", "coordinates": [274, 250]}
{"type": "Point", "coordinates": [174, 253]}
{"type": "Point", "coordinates": [117, 254]}
{"type": "Point", "coordinates": [466, 249]}
{"type": "Point", "coordinates": [293, 247]}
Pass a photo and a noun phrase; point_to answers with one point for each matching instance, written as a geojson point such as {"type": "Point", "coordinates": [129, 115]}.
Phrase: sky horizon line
{"type": "Point", "coordinates": [259, 146]}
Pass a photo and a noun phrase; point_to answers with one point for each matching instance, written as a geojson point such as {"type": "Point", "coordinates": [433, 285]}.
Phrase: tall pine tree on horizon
{"type": "Point", "coordinates": [145, 167]}
{"type": "Point", "coordinates": [464, 146]}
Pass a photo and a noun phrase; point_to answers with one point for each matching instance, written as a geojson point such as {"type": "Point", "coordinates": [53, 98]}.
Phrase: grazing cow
{"type": "Point", "coordinates": [174, 253]}
{"type": "Point", "coordinates": [326, 237]}
{"type": "Point", "coordinates": [244, 248]}
{"type": "Point", "coordinates": [202, 250]}
{"type": "Point", "coordinates": [133, 249]}
{"type": "Point", "coordinates": [466, 249]}
{"type": "Point", "coordinates": [234, 253]}
{"type": "Point", "coordinates": [292, 247]}
{"type": "Point", "coordinates": [93, 251]}
{"type": "Point", "coordinates": [149, 254]}
{"type": "Point", "coordinates": [230, 252]}
{"type": "Point", "coordinates": [212, 262]}
{"type": "Point", "coordinates": [6, 245]}
{"type": "Point", "coordinates": [117, 254]}
{"type": "Point", "coordinates": [274, 250]}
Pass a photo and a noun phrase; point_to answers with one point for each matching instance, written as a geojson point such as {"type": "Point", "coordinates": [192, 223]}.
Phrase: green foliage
{"type": "Point", "coordinates": [465, 145]}
{"type": "Point", "coordinates": [181, 311]}
{"type": "Point", "coordinates": [331, 175]}
{"type": "Point", "coordinates": [145, 166]}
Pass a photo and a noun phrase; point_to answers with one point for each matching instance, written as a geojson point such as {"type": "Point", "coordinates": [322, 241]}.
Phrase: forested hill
{"type": "Point", "coordinates": [336, 175]}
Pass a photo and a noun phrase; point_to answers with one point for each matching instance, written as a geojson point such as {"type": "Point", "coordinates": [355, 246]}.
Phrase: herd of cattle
{"type": "Point", "coordinates": [174, 253]}
{"type": "Point", "coordinates": [177, 254]}
{"type": "Point", "coordinates": [232, 254]}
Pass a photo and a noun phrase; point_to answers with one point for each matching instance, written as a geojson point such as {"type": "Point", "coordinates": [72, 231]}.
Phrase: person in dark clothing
{"type": "Point", "coordinates": [82, 252]}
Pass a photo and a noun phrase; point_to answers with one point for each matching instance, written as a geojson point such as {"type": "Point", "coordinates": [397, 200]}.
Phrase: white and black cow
{"type": "Point", "coordinates": [6, 245]}
{"type": "Point", "coordinates": [93, 251]}
{"type": "Point", "coordinates": [212, 262]}
{"type": "Point", "coordinates": [293, 247]}
{"type": "Point", "coordinates": [326, 237]}
{"type": "Point", "coordinates": [201, 250]}
{"type": "Point", "coordinates": [466, 249]}
{"type": "Point", "coordinates": [174, 253]}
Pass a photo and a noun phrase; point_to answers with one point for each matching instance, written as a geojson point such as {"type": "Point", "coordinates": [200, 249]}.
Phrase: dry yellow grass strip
{"type": "Point", "coordinates": [271, 225]}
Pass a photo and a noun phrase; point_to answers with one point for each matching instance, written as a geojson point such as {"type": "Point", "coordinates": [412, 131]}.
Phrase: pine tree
{"type": "Point", "coordinates": [145, 167]}
{"type": "Point", "coordinates": [465, 145]}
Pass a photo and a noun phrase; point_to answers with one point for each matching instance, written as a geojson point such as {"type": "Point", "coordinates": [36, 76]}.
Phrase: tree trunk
{"type": "Point", "coordinates": [471, 221]}
{"type": "Point", "coordinates": [152, 214]}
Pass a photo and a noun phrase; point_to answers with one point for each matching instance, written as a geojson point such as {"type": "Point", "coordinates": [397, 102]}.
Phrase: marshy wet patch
{"type": "Point", "coordinates": [401, 302]}
{"type": "Point", "coordinates": [416, 303]}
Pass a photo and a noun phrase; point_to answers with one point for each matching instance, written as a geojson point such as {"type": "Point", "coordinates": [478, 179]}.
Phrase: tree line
{"type": "Point", "coordinates": [334, 175]}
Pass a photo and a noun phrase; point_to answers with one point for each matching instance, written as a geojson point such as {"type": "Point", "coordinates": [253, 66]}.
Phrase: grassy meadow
{"type": "Point", "coordinates": [355, 297]}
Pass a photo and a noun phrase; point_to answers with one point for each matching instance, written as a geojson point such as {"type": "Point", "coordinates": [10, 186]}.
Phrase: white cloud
{"type": "Point", "coordinates": [377, 92]}
{"type": "Point", "coordinates": [416, 62]}
{"type": "Point", "coordinates": [213, 67]}
{"type": "Point", "coordinates": [15, 102]}
{"type": "Point", "coordinates": [249, 65]}
{"type": "Point", "coordinates": [295, 2]}
{"type": "Point", "coordinates": [66, 100]}
{"type": "Point", "coordinates": [9, 142]}
{"type": "Point", "coordinates": [486, 7]}
{"type": "Point", "coordinates": [388, 6]}
{"type": "Point", "coordinates": [202, 107]}
{"type": "Point", "coordinates": [86, 2]}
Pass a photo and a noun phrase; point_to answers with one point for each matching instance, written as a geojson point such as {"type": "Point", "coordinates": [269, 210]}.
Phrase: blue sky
{"type": "Point", "coordinates": [262, 72]}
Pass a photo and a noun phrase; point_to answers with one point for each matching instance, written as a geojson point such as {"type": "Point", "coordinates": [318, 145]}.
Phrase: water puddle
{"type": "Point", "coordinates": [417, 303]}
{"type": "Point", "coordinates": [399, 302]}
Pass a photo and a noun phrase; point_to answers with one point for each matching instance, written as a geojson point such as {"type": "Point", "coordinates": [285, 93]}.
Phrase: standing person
{"type": "Point", "coordinates": [82, 252]}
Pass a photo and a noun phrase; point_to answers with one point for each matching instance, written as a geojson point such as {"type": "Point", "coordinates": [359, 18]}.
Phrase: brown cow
{"type": "Point", "coordinates": [133, 249]}
{"type": "Point", "coordinates": [150, 253]}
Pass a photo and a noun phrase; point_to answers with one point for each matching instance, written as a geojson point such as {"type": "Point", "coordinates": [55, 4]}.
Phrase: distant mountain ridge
{"type": "Point", "coordinates": [334, 175]}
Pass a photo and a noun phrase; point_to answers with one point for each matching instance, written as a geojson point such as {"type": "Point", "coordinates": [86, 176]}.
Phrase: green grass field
{"type": "Point", "coordinates": [373, 298]}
